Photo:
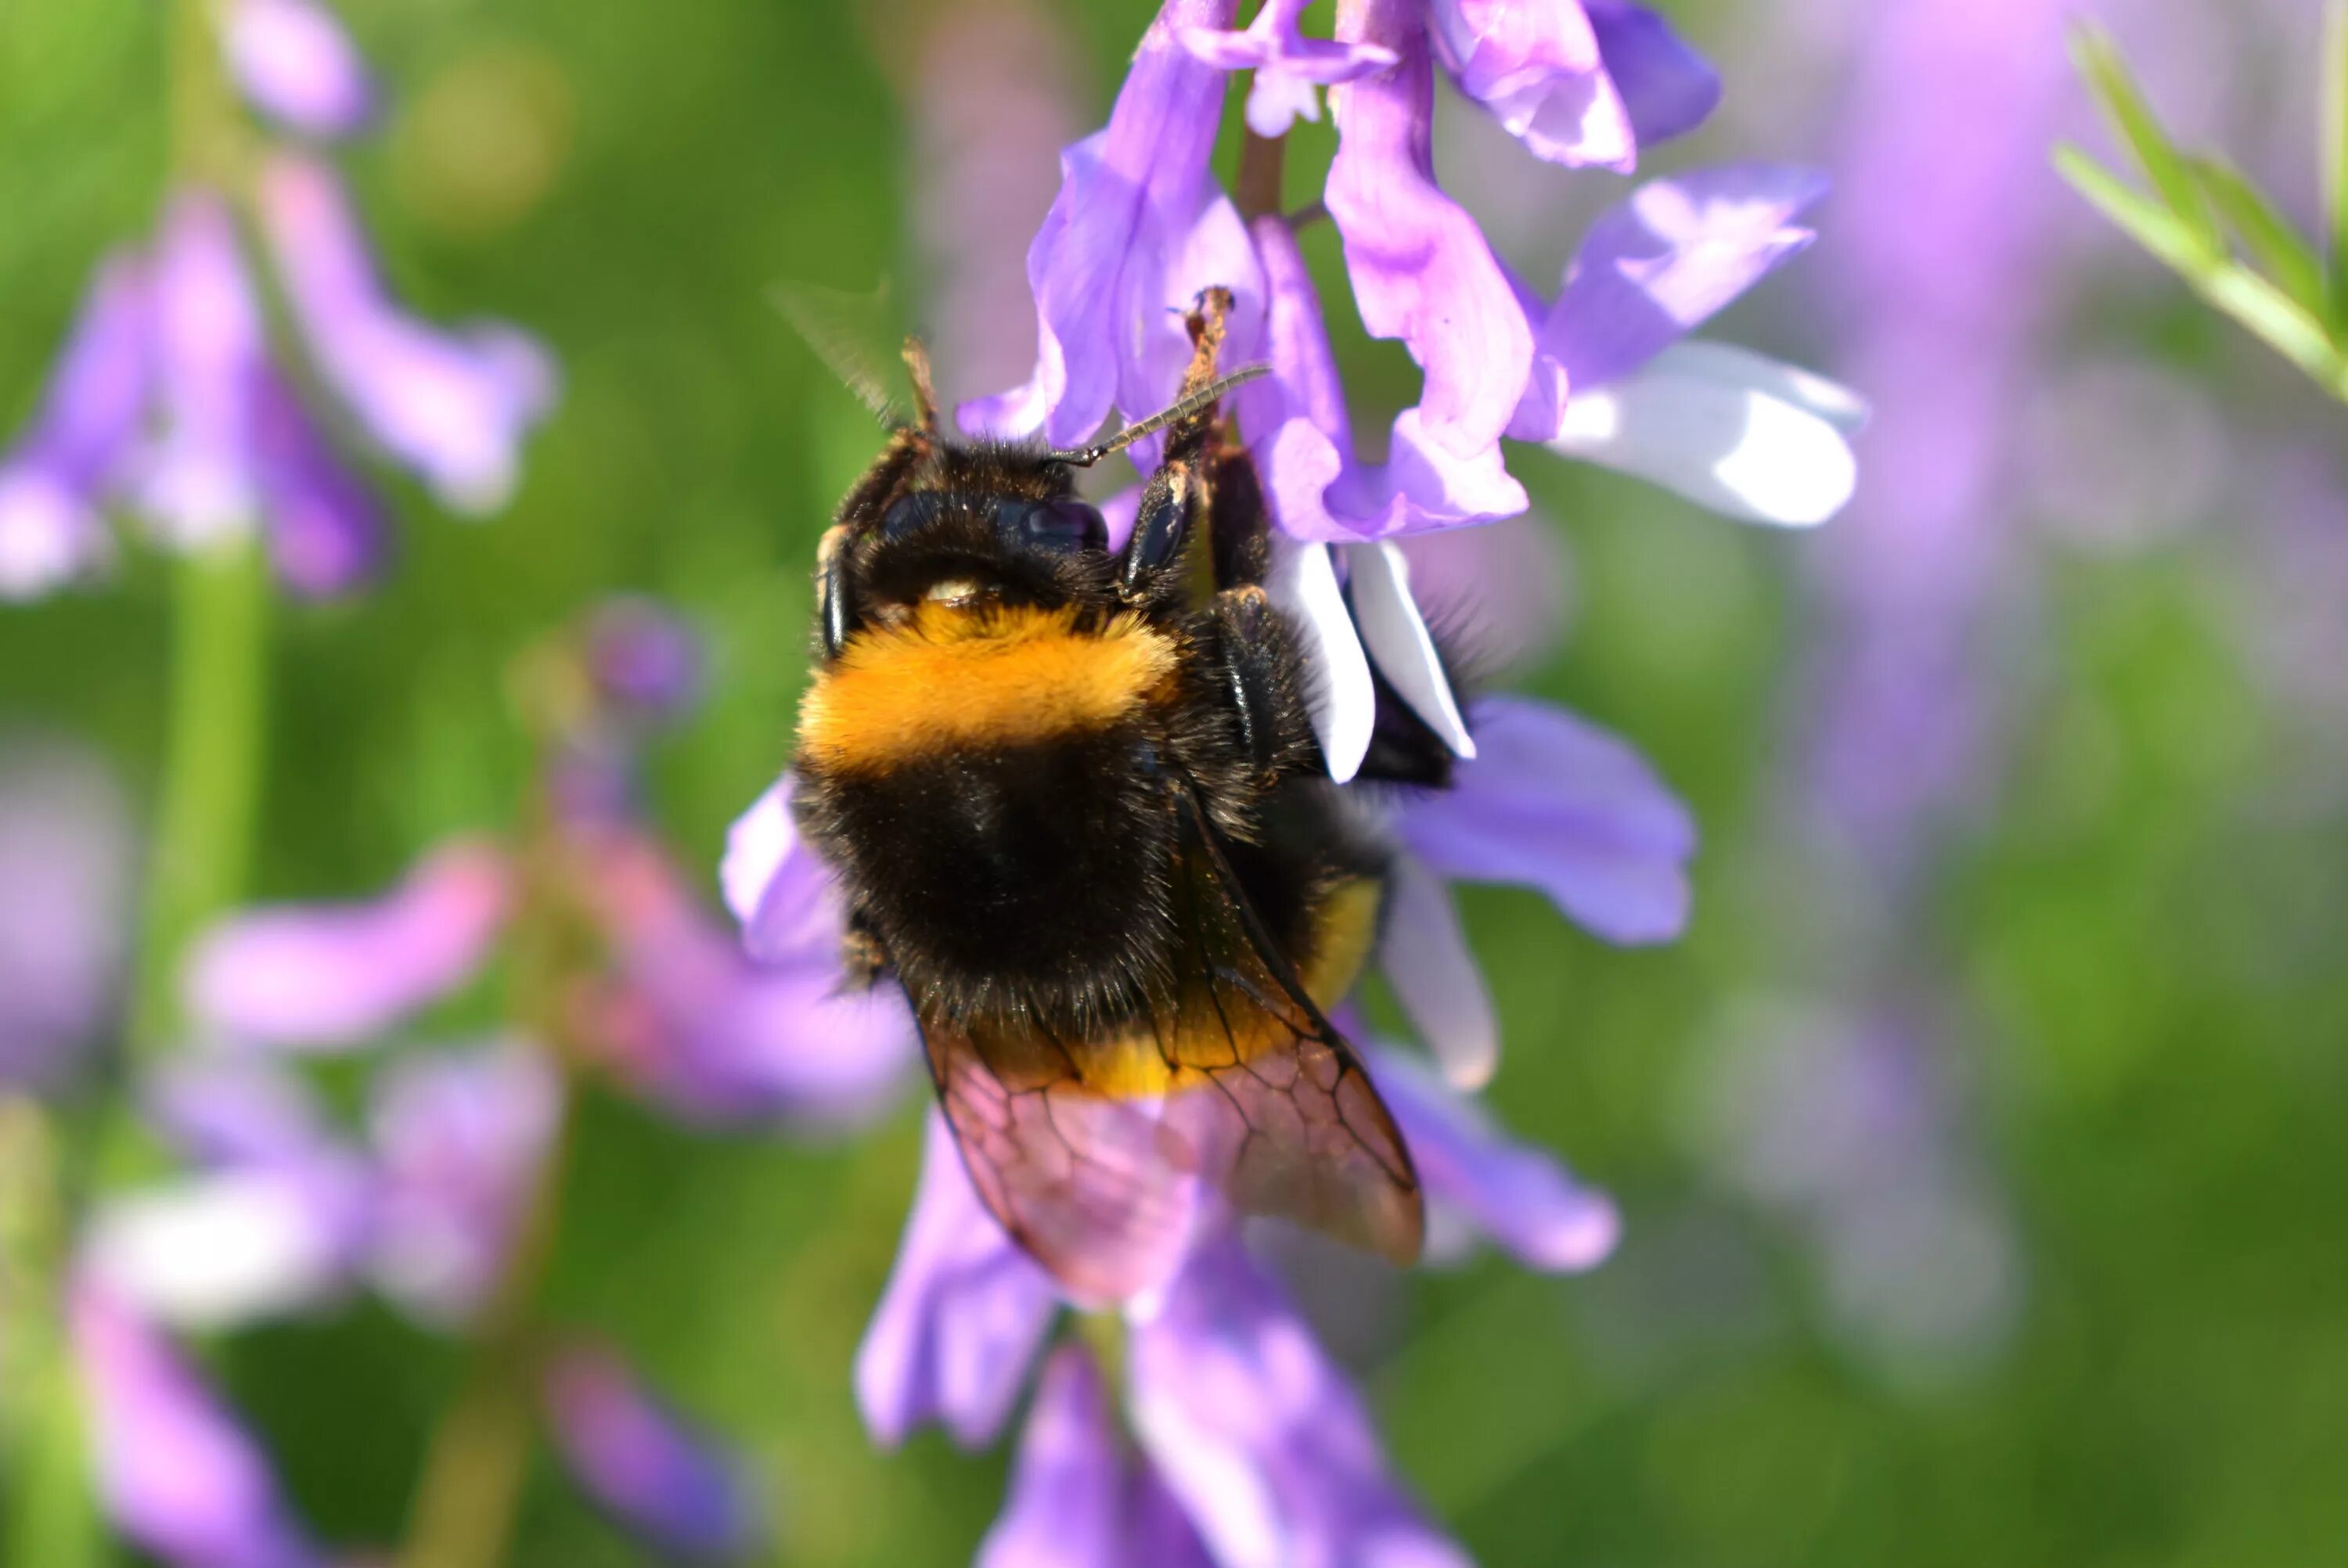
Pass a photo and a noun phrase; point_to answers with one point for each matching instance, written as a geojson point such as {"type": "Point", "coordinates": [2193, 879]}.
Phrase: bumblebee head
{"type": "Point", "coordinates": [984, 529]}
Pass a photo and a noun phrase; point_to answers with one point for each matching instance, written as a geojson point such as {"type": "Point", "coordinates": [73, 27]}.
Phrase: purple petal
{"type": "Point", "coordinates": [1420, 268]}
{"type": "Point", "coordinates": [235, 1111]}
{"type": "Point", "coordinates": [199, 484]}
{"type": "Point", "coordinates": [178, 1474]}
{"type": "Point", "coordinates": [68, 860]}
{"type": "Point", "coordinates": [333, 975]}
{"type": "Point", "coordinates": [1731, 430]}
{"type": "Point", "coordinates": [326, 531]}
{"type": "Point", "coordinates": [235, 1244]}
{"type": "Point", "coordinates": [780, 889]}
{"type": "Point", "coordinates": [295, 63]}
{"type": "Point", "coordinates": [698, 1026]}
{"type": "Point", "coordinates": [658, 1476]}
{"type": "Point", "coordinates": [964, 1315]}
{"type": "Point", "coordinates": [1659, 265]}
{"type": "Point", "coordinates": [454, 406]}
{"type": "Point", "coordinates": [1667, 88]}
{"type": "Point", "coordinates": [1287, 65]}
{"type": "Point", "coordinates": [644, 657]}
{"type": "Point", "coordinates": [1129, 194]}
{"type": "Point", "coordinates": [1066, 1487]}
{"type": "Point", "coordinates": [458, 1139]}
{"type": "Point", "coordinates": [1518, 1195]}
{"type": "Point", "coordinates": [1555, 803]}
{"type": "Point", "coordinates": [51, 484]}
{"type": "Point", "coordinates": [1536, 66]}
{"type": "Point", "coordinates": [1259, 1436]}
{"type": "Point", "coordinates": [1422, 484]}
{"type": "Point", "coordinates": [1425, 956]}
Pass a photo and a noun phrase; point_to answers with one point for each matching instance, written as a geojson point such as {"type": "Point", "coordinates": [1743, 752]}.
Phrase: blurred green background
{"type": "Point", "coordinates": [2141, 952]}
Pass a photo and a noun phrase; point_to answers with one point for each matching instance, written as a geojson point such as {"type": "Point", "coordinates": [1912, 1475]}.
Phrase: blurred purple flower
{"type": "Point", "coordinates": [963, 1316]}
{"type": "Point", "coordinates": [658, 1476]}
{"type": "Point", "coordinates": [292, 60]}
{"type": "Point", "coordinates": [175, 1470]}
{"type": "Point", "coordinates": [458, 1139]}
{"type": "Point", "coordinates": [198, 486]}
{"type": "Point", "coordinates": [694, 1024]}
{"type": "Point", "coordinates": [1579, 84]}
{"type": "Point", "coordinates": [454, 406]}
{"type": "Point", "coordinates": [646, 662]}
{"type": "Point", "coordinates": [336, 975]}
{"type": "Point", "coordinates": [59, 474]}
{"type": "Point", "coordinates": [327, 530]}
{"type": "Point", "coordinates": [66, 853]}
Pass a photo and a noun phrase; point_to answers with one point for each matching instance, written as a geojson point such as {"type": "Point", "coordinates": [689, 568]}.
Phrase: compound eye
{"type": "Point", "coordinates": [909, 515]}
{"type": "Point", "coordinates": [1058, 527]}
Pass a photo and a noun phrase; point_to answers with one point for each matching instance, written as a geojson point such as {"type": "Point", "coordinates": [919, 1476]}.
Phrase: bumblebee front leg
{"type": "Point", "coordinates": [863, 957]}
{"type": "Point", "coordinates": [1259, 663]}
{"type": "Point", "coordinates": [834, 594]}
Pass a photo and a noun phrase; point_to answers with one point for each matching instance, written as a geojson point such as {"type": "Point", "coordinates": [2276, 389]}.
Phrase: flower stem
{"type": "Point", "coordinates": [50, 1519]}
{"type": "Point", "coordinates": [479, 1453]}
{"type": "Point", "coordinates": [211, 770]}
{"type": "Point", "coordinates": [1263, 161]}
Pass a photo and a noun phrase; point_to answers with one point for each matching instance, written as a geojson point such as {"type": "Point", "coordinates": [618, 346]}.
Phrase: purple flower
{"type": "Point", "coordinates": [1554, 802]}
{"type": "Point", "coordinates": [963, 1316]}
{"type": "Point", "coordinates": [1577, 83]}
{"type": "Point", "coordinates": [327, 530]}
{"type": "Point", "coordinates": [1420, 268]}
{"type": "Point", "coordinates": [459, 1138]}
{"type": "Point", "coordinates": [200, 485]}
{"type": "Point", "coordinates": [1288, 65]}
{"type": "Point", "coordinates": [1482, 1182]}
{"type": "Point", "coordinates": [454, 406]}
{"type": "Point", "coordinates": [1130, 196]}
{"type": "Point", "coordinates": [1258, 1436]}
{"type": "Point", "coordinates": [292, 60]}
{"type": "Point", "coordinates": [66, 854]}
{"type": "Point", "coordinates": [1076, 1500]}
{"type": "Point", "coordinates": [325, 976]}
{"type": "Point", "coordinates": [694, 1023]}
{"type": "Point", "coordinates": [645, 662]}
{"type": "Point", "coordinates": [53, 484]}
{"type": "Point", "coordinates": [655, 1473]}
{"type": "Point", "coordinates": [176, 1472]}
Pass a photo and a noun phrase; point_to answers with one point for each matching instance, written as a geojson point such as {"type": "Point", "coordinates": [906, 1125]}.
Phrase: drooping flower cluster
{"type": "Point", "coordinates": [169, 400]}
{"type": "Point", "coordinates": [1249, 1447]}
{"type": "Point", "coordinates": [277, 1209]}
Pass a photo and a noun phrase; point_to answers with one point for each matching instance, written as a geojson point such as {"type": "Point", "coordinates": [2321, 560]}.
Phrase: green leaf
{"type": "Point", "coordinates": [2334, 146]}
{"type": "Point", "coordinates": [2283, 323]}
{"type": "Point", "coordinates": [2289, 259]}
{"type": "Point", "coordinates": [2157, 228]}
{"type": "Point", "coordinates": [2107, 76]}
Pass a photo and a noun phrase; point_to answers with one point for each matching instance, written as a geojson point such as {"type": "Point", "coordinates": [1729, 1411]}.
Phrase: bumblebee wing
{"type": "Point", "coordinates": [1105, 1158]}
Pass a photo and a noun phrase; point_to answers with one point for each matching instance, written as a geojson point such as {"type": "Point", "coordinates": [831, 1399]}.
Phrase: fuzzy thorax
{"type": "Point", "coordinates": [956, 678]}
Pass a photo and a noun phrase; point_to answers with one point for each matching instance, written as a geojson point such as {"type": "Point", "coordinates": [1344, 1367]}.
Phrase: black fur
{"type": "Point", "coordinates": [1030, 884]}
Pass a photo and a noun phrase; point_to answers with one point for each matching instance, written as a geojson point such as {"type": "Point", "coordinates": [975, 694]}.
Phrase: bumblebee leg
{"type": "Point", "coordinates": [925, 391]}
{"type": "Point", "coordinates": [836, 612]}
{"type": "Point", "coordinates": [1206, 321]}
{"type": "Point", "coordinates": [863, 959]}
{"type": "Point", "coordinates": [1170, 503]}
{"type": "Point", "coordinates": [1258, 663]}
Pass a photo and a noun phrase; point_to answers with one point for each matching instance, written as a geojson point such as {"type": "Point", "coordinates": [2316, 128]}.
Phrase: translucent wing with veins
{"type": "Point", "coordinates": [1106, 1156]}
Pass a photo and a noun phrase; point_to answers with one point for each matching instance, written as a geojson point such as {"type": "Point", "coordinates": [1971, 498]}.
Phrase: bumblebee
{"type": "Point", "coordinates": [1076, 804]}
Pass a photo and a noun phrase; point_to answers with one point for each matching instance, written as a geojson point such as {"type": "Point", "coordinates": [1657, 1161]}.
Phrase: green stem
{"type": "Point", "coordinates": [211, 771]}
{"type": "Point", "coordinates": [479, 1453]}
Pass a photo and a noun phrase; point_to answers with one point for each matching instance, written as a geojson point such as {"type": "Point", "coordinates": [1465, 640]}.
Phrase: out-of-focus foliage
{"type": "Point", "coordinates": [2143, 936]}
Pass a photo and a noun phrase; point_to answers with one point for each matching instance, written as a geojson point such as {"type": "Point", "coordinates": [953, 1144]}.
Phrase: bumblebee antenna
{"type": "Point", "coordinates": [1085, 457]}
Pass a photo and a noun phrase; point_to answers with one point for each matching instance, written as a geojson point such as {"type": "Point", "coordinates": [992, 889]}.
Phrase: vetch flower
{"type": "Point", "coordinates": [295, 63]}
{"type": "Point", "coordinates": [55, 483]}
{"type": "Point", "coordinates": [176, 1471]}
{"type": "Point", "coordinates": [1289, 67]}
{"type": "Point", "coordinates": [171, 399]}
{"type": "Point", "coordinates": [657, 1475]}
{"type": "Point", "coordinates": [454, 406]}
